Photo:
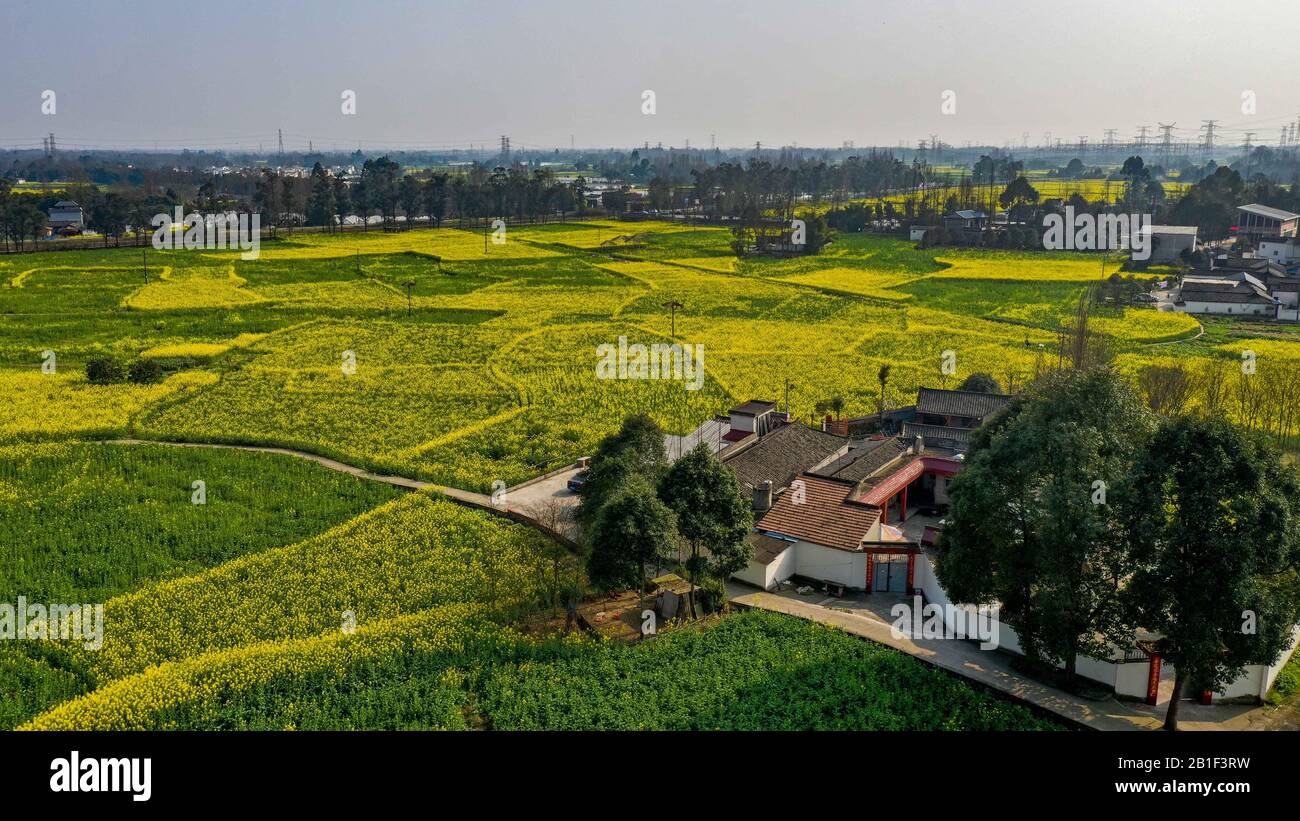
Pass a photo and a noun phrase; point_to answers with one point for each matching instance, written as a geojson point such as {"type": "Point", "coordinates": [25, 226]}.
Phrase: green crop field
{"type": "Point", "coordinates": [228, 614]}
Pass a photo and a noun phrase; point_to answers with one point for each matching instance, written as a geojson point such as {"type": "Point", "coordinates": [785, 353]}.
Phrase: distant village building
{"type": "Point", "coordinates": [1284, 251]}
{"type": "Point", "coordinates": [66, 215]}
{"type": "Point", "coordinates": [1225, 292]}
{"type": "Point", "coordinates": [1241, 285]}
{"type": "Point", "coordinates": [1259, 222]}
{"type": "Point", "coordinates": [1168, 242]}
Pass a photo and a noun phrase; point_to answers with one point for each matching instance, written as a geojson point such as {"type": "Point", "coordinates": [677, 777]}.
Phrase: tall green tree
{"type": "Point", "coordinates": [1215, 531]}
{"type": "Point", "coordinates": [636, 449]}
{"type": "Point", "coordinates": [435, 199]}
{"type": "Point", "coordinates": [320, 204]}
{"type": "Point", "coordinates": [980, 382]}
{"type": "Point", "coordinates": [1030, 526]}
{"type": "Point", "coordinates": [342, 199]}
{"type": "Point", "coordinates": [1018, 192]}
{"type": "Point", "coordinates": [713, 515]}
{"type": "Point", "coordinates": [411, 194]}
{"type": "Point", "coordinates": [633, 534]}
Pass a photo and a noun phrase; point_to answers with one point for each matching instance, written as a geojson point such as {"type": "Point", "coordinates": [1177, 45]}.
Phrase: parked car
{"type": "Point", "coordinates": [578, 480]}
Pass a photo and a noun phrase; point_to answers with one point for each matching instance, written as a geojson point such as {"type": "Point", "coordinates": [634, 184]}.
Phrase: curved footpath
{"type": "Point", "coordinates": [514, 512]}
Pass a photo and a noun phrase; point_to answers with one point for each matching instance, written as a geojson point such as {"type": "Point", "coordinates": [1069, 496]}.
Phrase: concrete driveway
{"type": "Point", "coordinates": [548, 500]}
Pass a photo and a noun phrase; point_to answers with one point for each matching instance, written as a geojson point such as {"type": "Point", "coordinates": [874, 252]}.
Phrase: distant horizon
{"type": "Point", "coordinates": [455, 74]}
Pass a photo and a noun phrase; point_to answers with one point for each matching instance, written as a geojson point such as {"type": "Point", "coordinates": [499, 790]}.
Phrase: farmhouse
{"type": "Point", "coordinates": [66, 214]}
{"type": "Point", "coordinates": [855, 512]}
{"type": "Point", "coordinates": [1283, 251]}
{"type": "Point", "coordinates": [1168, 242]}
{"type": "Point", "coordinates": [965, 227]}
{"type": "Point", "coordinates": [1258, 222]}
{"type": "Point", "coordinates": [1225, 292]}
{"type": "Point", "coordinates": [948, 418]}
{"type": "Point", "coordinates": [864, 517]}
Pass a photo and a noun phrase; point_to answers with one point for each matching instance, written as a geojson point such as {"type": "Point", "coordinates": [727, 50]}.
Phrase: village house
{"type": "Point", "coordinates": [66, 216]}
{"type": "Point", "coordinates": [865, 514]}
{"type": "Point", "coordinates": [1168, 242]}
{"type": "Point", "coordinates": [1283, 251]}
{"type": "Point", "coordinates": [1259, 222]}
{"type": "Point", "coordinates": [1225, 292]}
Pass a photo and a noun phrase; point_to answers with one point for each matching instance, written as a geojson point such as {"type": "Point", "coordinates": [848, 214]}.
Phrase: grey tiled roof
{"type": "Point", "coordinates": [861, 462]}
{"type": "Point", "coordinates": [959, 403]}
{"type": "Point", "coordinates": [938, 434]}
{"type": "Point", "coordinates": [783, 454]}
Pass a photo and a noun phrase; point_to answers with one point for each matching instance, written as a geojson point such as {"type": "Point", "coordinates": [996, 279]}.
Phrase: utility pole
{"type": "Point", "coordinates": [407, 284]}
{"type": "Point", "coordinates": [788, 386]}
{"type": "Point", "coordinates": [672, 305]}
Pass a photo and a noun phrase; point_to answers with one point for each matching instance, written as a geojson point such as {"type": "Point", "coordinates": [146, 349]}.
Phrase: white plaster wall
{"type": "Point", "coordinates": [739, 422]}
{"type": "Point", "coordinates": [754, 573]}
{"type": "Point", "coordinates": [1131, 678]}
{"type": "Point", "coordinates": [783, 566]}
{"type": "Point", "coordinates": [828, 564]}
{"type": "Point", "coordinates": [1235, 308]}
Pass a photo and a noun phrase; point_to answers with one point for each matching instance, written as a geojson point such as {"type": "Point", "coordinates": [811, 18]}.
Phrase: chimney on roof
{"type": "Point", "coordinates": [918, 444]}
{"type": "Point", "coordinates": [763, 496]}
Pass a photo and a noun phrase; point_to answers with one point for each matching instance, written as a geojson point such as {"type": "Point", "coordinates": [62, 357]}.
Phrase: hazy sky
{"type": "Point", "coordinates": [439, 72]}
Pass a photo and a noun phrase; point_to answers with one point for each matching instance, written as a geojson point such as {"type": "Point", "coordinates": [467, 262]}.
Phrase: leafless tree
{"type": "Point", "coordinates": [1167, 389]}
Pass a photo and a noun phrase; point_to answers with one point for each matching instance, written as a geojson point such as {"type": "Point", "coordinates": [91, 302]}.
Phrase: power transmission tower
{"type": "Point", "coordinates": [1109, 140]}
{"type": "Point", "coordinates": [1207, 127]}
{"type": "Point", "coordinates": [1166, 137]}
{"type": "Point", "coordinates": [1141, 141]}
